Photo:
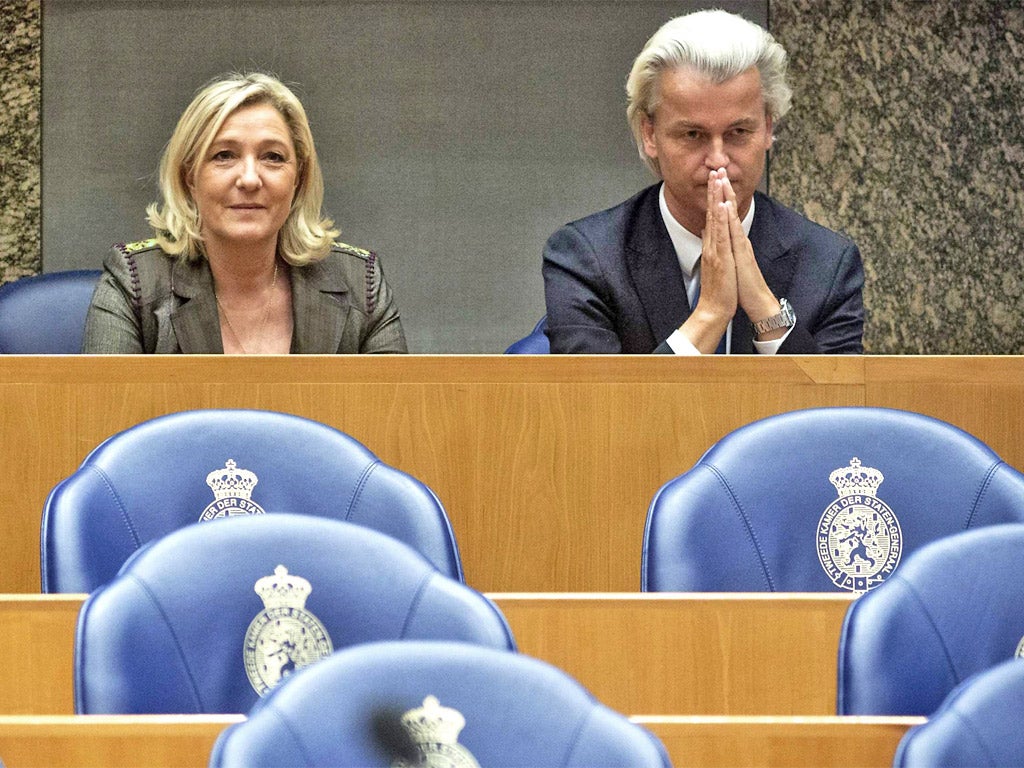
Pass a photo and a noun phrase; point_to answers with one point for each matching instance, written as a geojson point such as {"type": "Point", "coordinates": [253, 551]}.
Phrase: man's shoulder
{"type": "Point", "coordinates": [615, 224]}
{"type": "Point", "coordinates": [621, 212]}
{"type": "Point", "coordinates": [790, 223]}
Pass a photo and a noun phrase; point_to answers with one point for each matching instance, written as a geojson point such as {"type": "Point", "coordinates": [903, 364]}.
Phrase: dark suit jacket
{"type": "Point", "coordinates": [147, 301]}
{"type": "Point", "coordinates": [612, 281]}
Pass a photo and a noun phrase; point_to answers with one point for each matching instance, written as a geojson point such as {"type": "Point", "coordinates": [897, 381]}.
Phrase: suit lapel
{"type": "Point", "coordinates": [195, 320]}
{"type": "Point", "coordinates": [654, 269]}
{"type": "Point", "coordinates": [320, 315]}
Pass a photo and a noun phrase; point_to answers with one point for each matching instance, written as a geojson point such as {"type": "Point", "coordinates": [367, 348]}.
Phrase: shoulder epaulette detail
{"type": "Point", "coordinates": [371, 281]}
{"type": "Point", "coordinates": [138, 245]}
{"type": "Point", "coordinates": [361, 252]}
{"type": "Point", "coordinates": [127, 251]}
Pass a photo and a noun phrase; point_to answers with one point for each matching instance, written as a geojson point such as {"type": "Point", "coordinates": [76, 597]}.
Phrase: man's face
{"type": "Point", "coordinates": [699, 126]}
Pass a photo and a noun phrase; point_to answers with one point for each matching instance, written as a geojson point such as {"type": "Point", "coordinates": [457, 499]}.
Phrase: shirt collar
{"type": "Point", "coordinates": [687, 244]}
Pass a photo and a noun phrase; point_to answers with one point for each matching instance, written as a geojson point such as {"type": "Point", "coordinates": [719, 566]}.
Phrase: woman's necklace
{"type": "Point", "coordinates": [266, 313]}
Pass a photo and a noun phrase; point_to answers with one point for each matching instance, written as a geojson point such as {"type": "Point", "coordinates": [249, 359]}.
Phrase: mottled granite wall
{"type": "Point", "coordinates": [20, 95]}
{"type": "Point", "coordinates": [907, 132]}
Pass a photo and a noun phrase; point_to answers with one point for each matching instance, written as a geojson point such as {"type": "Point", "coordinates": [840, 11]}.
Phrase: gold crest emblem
{"type": "Point", "coordinates": [1019, 653]}
{"type": "Point", "coordinates": [232, 493]}
{"type": "Point", "coordinates": [285, 636]}
{"type": "Point", "coordinates": [435, 732]}
{"type": "Point", "coordinates": [859, 537]}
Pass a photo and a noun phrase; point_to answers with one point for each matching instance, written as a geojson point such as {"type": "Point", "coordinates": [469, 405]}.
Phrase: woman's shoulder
{"type": "Point", "coordinates": [350, 267]}
{"type": "Point", "coordinates": [345, 251]}
{"type": "Point", "coordinates": [130, 254]}
{"type": "Point", "coordinates": [351, 261]}
{"type": "Point", "coordinates": [142, 267]}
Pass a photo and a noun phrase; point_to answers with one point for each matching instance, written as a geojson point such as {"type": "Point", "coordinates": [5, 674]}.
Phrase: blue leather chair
{"type": "Point", "coordinates": [174, 470]}
{"type": "Point", "coordinates": [954, 608]}
{"type": "Point", "coordinates": [369, 706]}
{"type": "Point", "coordinates": [45, 314]}
{"type": "Point", "coordinates": [977, 726]}
{"type": "Point", "coordinates": [212, 616]}
{"type": "Point", "coordinates": [819, 500]}
{"type": "Point", "coordinates": [534, 343]}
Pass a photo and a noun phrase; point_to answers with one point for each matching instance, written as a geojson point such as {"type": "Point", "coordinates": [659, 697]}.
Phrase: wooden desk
{"type": "Point", "coordinates": [718, 654]}
{"type": "Point", "coordinates": [701, 742]}
{"type": "Point", "coordinates": [792, 742]}
{"type": "Point", "coordinates": [102, 741]}
{"type": "Point", "coordinates": [37, 633]}
{"type": "Point", "coordinates": [546, 464]}
{"type": "Point", "coordinates": [695, 654]}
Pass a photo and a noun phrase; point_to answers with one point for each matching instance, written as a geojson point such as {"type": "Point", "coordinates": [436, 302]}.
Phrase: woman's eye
{"type": "Point", "coordinates": [222, 156]}
{"type": "Point", "coordinates": [275, 157]}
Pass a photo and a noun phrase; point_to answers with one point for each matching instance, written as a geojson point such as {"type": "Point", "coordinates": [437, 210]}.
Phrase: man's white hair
{"type": "Point", "coordinates": [718, 45]}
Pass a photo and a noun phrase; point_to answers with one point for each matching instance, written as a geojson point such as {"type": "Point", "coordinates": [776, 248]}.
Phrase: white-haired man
{"type": "Point", "coordinates": [701, 262]}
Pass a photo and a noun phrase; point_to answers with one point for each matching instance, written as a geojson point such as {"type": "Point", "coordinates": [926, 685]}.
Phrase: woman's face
{"type": "Point", "coordinates": [244, 185]}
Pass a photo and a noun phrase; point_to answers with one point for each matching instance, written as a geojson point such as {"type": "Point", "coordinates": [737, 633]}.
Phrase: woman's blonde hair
{"type": "Point", "coordinates": [306, 235]}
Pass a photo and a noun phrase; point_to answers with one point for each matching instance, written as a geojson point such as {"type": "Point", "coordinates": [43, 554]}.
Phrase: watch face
{"type": "Point", "coordinates": [788, 315]}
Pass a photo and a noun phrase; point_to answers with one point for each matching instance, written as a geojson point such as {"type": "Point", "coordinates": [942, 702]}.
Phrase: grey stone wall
{"type": "Point", "coordinates": [19, 139]}
{"type": "Point", "coordinates": [907, 132]}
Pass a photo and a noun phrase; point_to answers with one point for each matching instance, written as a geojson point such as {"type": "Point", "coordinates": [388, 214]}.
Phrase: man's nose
{"type": "Point", "coordinates": [716, 156]}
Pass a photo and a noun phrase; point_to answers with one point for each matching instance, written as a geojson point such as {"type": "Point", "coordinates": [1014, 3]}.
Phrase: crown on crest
{"type": "Point", "coordinates": [433, 724]}
{"type": "Point", "coordinates": [856, 480]}
{"type": "Point", "coordinates": [231, 482]}
{"type": "Point", "coordinates": [283, 589]}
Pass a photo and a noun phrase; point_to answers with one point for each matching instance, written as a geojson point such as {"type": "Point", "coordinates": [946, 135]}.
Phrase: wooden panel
{"type": "Point", "coordinates": [722, 654]}
{"type": "Point", "coordinates": [101, 741]}
{"type": "Point", "coordinates": [710, 742]}
{"type": "Point", "coordinates": [37, 633]}
{"type": "Point", "coordinates": [982, 395]}
{"type": "Point", "coordinates": [768, 742]}
{"type": "Point", "coordinates": [545, 464]}
{"type": "Point", "coordinates": [689, 654]}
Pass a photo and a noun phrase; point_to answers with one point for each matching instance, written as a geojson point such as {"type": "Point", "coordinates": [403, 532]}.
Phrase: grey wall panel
{"type": "Point", "coordinates": [455, 136]}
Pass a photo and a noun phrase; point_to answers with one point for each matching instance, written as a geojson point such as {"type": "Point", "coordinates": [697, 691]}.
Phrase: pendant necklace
{"type": "Point", "coordinates": [266, 312]}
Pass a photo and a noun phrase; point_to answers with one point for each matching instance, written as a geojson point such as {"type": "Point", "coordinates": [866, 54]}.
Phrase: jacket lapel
{"type": "Point", "coordinates": [654, 269]}
{"type": "Point", "coordinates": [195, 319]}
{"type": "Point", "coordinates": [320, 314]}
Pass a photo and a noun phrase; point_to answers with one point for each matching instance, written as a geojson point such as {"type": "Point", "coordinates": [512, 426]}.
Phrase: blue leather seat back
{"type": "Point", "coordinates": [45, 314]}
{"type": "Point", "coordinates": [977, 726]}
{"type": "Point", "coordinates": [152, 479]}
{"type": "Point", "coordinates": [756, 513]}
{"type": "Point", "coordinates": [534, 343]}
{"type": "Point", "coordinates": [954, 608]}
{"type": "Point", "coordinates": [169, 634]}
{"type": "Point", "coordinates": [347, 711]}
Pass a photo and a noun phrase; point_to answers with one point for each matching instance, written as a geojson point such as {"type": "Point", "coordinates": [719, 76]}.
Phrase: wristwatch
{"type": "Point", "coordinates": [786, 318]}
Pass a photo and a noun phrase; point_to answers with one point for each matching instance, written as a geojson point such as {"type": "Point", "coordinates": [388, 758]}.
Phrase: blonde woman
{"type": "Point", "coordinates": [242, 260]}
